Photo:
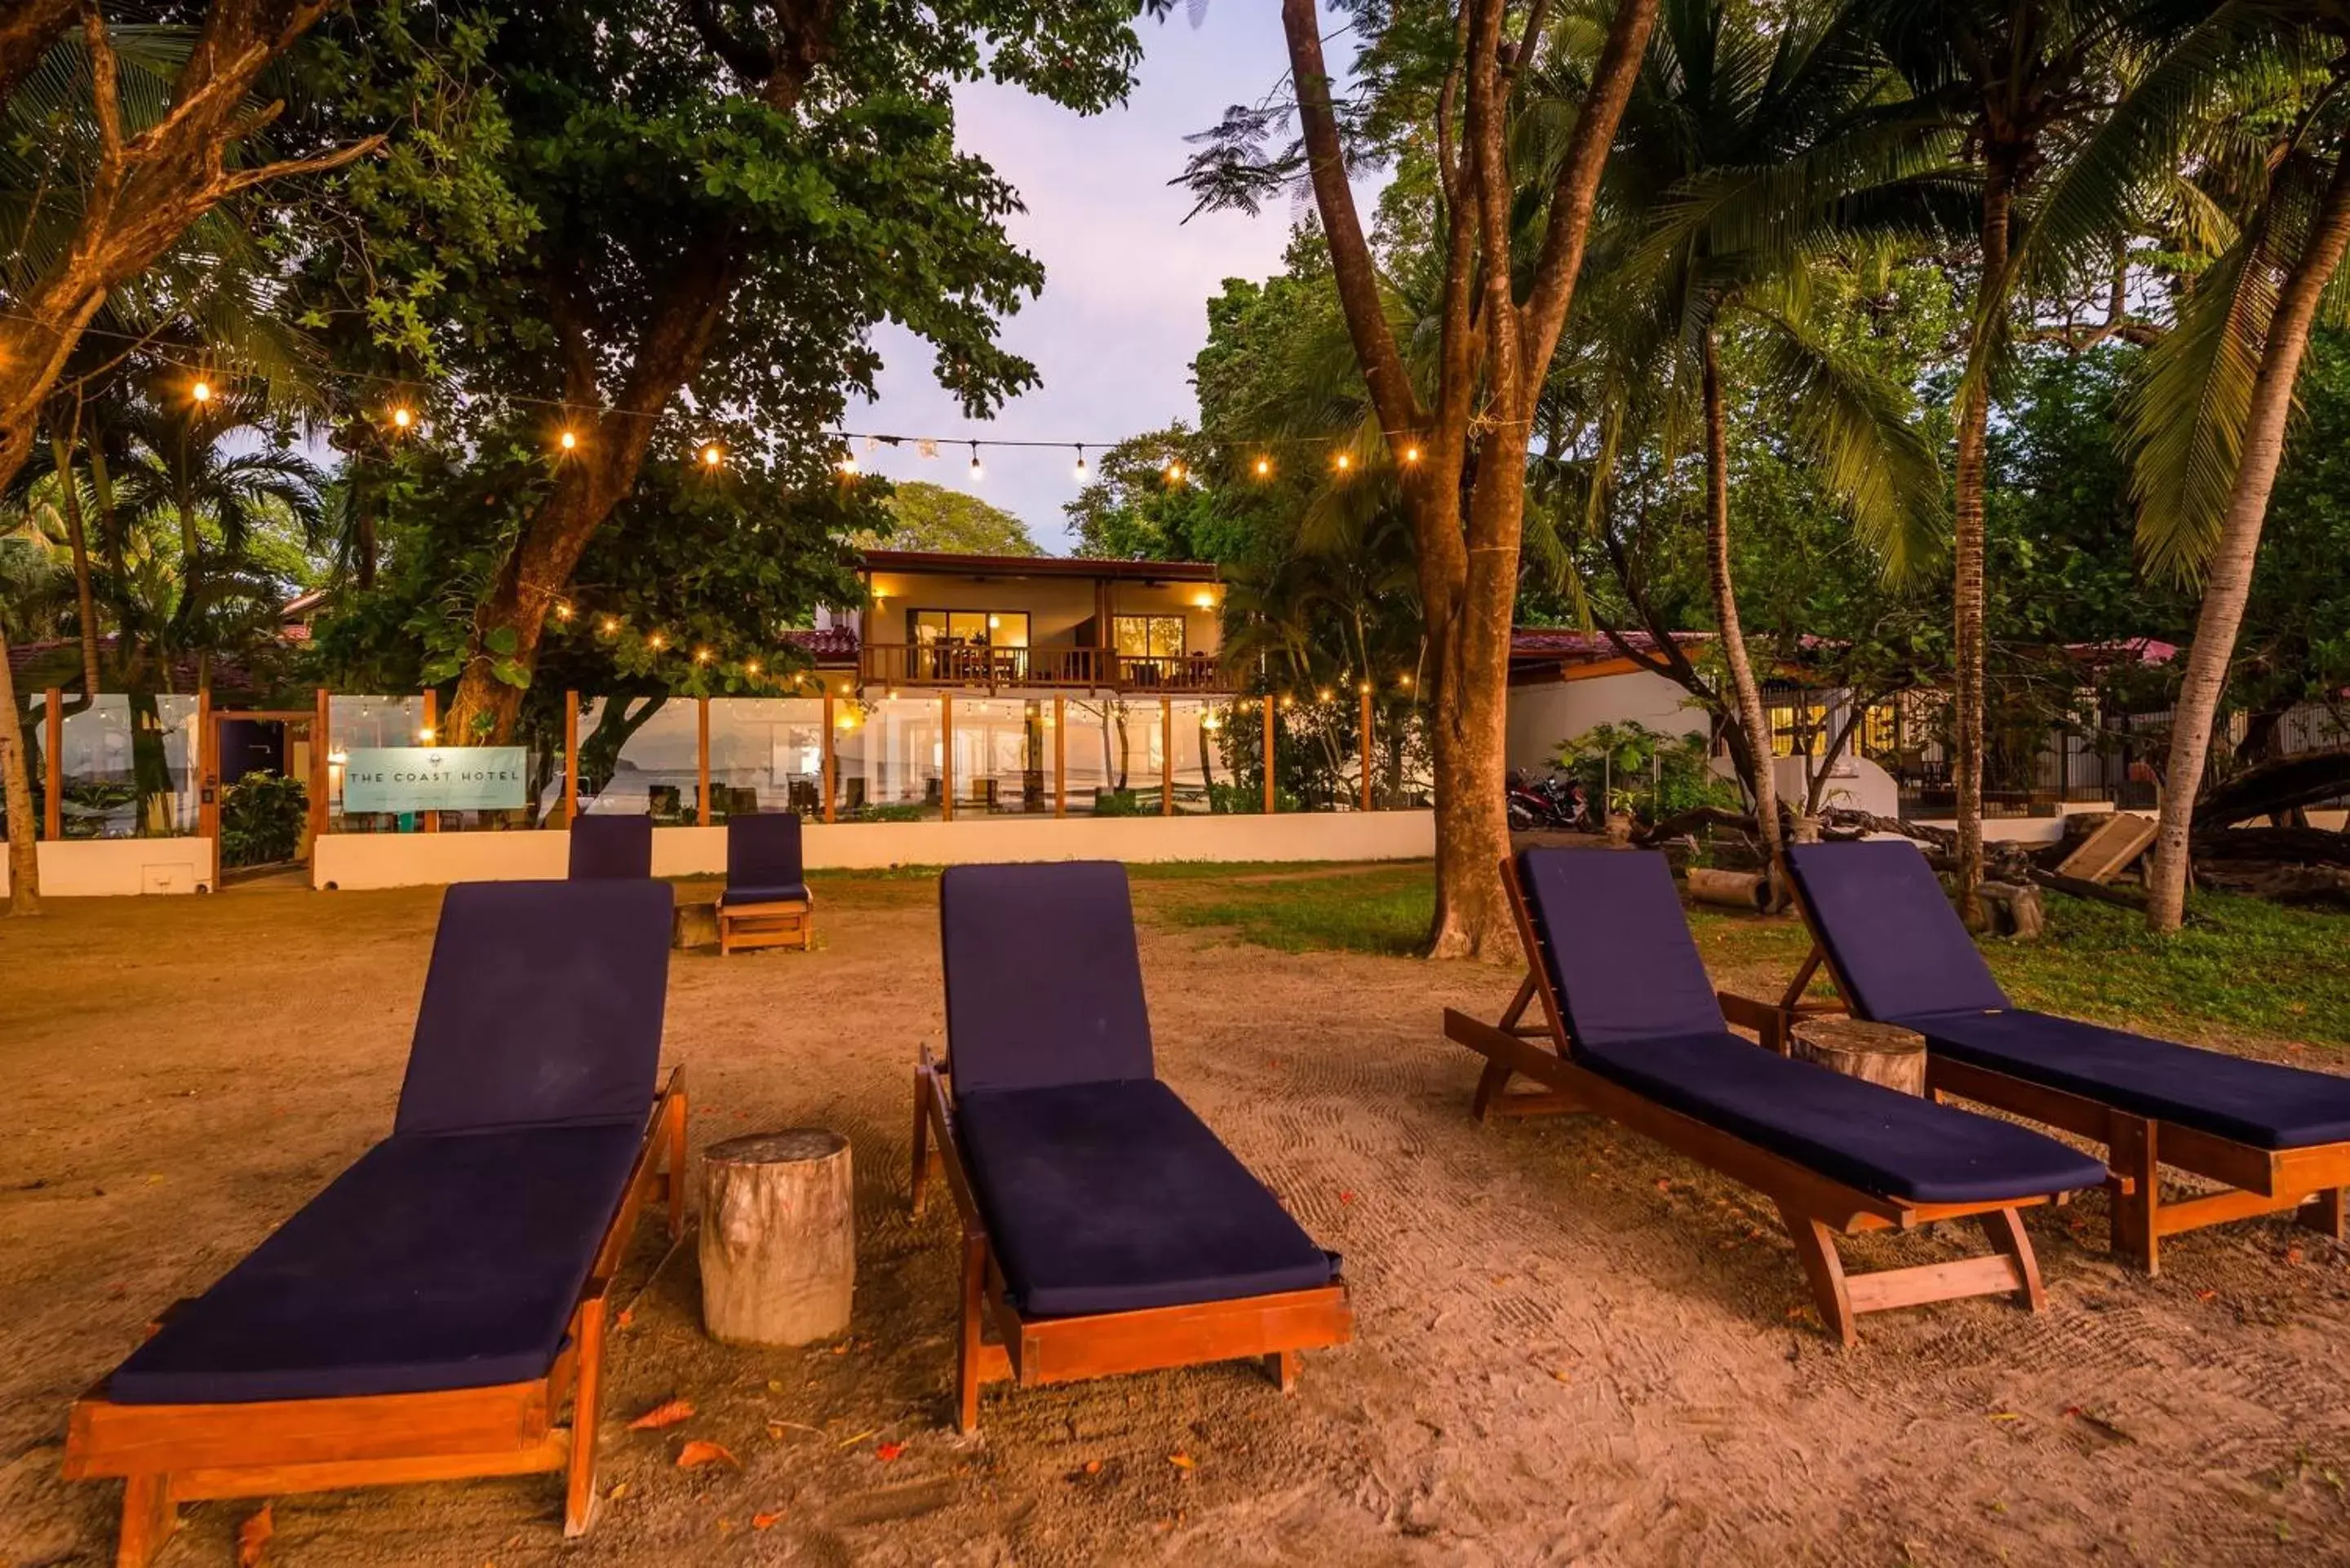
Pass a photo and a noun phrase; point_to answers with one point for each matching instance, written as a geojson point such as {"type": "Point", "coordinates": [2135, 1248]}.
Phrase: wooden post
{"type": "Point", "coordinates": [1167, 756]}
{"type": "Point", "coordinates": [322, 723]}
{"type": "Point", "coordinates": [778, 1243]}
{"type": "Point", "coordinates": [53, 767]}
{"type": "Point", "coordinates": [1878, 1053]}
{"type": "Point", "coordinates": [207, 761]}
{"type": "Point", "coordinates": [1268, 753]}
{"type": "Point", "coordinates": [1366, 745]}
{"type": "Point", "coordinates": [1730, 889]}
{"type": "Point", "coordinates": [1060, 755]}
{"type": "Point", "coordinates": [702, 760]}
{"type": "Point", "coordinates": [946, 756]}
{"type": "Point", "coordinates": [430, 821]}
{"type": "Point", "coordinates": [829, 763]}
{"type": "Point", "coordinates": [571, 758]}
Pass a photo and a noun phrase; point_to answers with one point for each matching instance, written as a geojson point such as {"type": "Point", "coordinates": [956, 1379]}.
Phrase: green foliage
{"type": "Point", "coordinates": [926, 516]}
{"type": "Point", "coordinates": [1123, 802]}
{"type": "Point", "coordinates": [1637, 769]}
{"type": "Point", "coordinates": [261, 819]}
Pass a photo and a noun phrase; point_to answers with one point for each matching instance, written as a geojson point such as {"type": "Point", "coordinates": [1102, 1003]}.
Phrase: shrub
{"type": "Point", "coordinates": [1654, 775]}
{"type": "Point", "coordinates": [260, 818]}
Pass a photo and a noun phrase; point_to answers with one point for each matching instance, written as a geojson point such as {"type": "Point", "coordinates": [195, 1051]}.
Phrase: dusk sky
{"type": "Point", "coordinates": [1126, 280]}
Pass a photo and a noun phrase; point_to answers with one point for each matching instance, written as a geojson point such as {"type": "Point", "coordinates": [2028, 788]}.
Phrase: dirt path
{"type": "Point", "coordinates": [1572, 1347]}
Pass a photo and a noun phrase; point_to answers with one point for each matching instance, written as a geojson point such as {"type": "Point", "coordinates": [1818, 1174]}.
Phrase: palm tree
{"type": "Point", "coordinates": [1755, 158]}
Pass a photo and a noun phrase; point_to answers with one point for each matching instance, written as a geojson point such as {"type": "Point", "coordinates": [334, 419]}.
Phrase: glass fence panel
{"type": "Point", "coordinates": [1003, 756]}
{"type": "Point", "coordinates": [1202, 783]}
{"type": "Point", "coordinates": [360, 723]}
{"type": "Point", "coordinates": [1117, 756]}
{"type": "Point", "coordinates": [126, 766]}
{"type": "Point", "coordinates": [890, 755]}
{"type": "Point", "coordinates": [640, 754]}
{"type": "Point", "coordinates": [766, 754]}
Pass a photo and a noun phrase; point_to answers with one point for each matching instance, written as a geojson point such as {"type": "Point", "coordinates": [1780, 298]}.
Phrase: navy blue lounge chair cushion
{"type": "Point", "coordinates": [765, 893]}
{"type": "Point", "coordinates": [1114, 1197]}
{"type": "Point", "coordinates": [440, 1262]}
{"type": "Point", "coordinates": [1044, 984]}
{"type": "Point", "coordinates": [1641, 1011]}
{"type": "Point", "coordinates": [1890, 933]}
{"type": "Point", "coordinates": [1871, 1138]}
{"type": "Point", "coordinates": [1618, 949]}
{"type": "Point", "coordinates": [611, 847]}
{"type": "Point", "coordinates": [763, 855]}
{"type": "Point", "coordinates": [2263, 1104]}
{"type": "Point", "coordinates": [1899, 946]}
{"type": "Point", "coordinates": [543, 1004]}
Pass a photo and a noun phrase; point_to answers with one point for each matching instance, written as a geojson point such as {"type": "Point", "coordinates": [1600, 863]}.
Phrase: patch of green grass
{"type": "Point", "coordinates": [2245, 965]}
{"type": "Point", "coordinates": [1386, 910]}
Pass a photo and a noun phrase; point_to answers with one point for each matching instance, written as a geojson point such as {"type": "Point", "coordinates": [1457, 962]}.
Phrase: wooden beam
{"type": "Point", "coordinates": [1060, 755]}
{"type": "Point", "coordinates": [53, 765]}
{"type": "Point", "coordinates": [430, 821]}
{"type": "Point", "coordinates": [1268, 753]}
{"type": "Point", "coordinates": [830, 758]}
{"type": "Point", "coordinates": [1167, 756]}
{"type": "Point", "coordinates": [946, 756]}
{"type": "Point", "coordinates": [207, 763]}
{"type": "Point", "coordinates": [1365, 747]}
{"type": "Point", "coordinates": [571, 758]}
{"type": "Point", "coordinates": [702, 760]}
{"type": "Point", "coordinates": [321, 743]}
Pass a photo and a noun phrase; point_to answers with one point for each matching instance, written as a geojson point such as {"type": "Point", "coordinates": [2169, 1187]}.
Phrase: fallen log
{"type": "Point", "coordinates": [1746, 890]}
{"type": "Point", "coordinates": [2276, 845]}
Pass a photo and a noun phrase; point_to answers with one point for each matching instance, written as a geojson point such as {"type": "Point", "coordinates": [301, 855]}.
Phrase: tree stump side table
{"type": "Point", "coordinates": [1879, 1052]}
{"type": "Point", "coordinates": [778, 1244]}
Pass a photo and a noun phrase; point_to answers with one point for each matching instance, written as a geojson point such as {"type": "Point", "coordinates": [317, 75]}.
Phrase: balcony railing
{"type": "Point", "coordinates": [994, 668]}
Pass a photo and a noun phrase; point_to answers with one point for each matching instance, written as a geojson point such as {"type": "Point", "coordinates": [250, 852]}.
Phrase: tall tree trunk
{"type": "Point", "coordinates": [1967, 540]}
{"type": "Point", "coordinates": [16, 793]}
{"type": "Point", "coordinates": [1753, 727]}
{"type": "Point", "coordinates": [2230, 583]}
{"type": "Point", "coordinates": [29, 28]}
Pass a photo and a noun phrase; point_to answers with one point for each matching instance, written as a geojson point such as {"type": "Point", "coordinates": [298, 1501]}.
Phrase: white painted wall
{"type": "Point", "coordinates": [1540, 717]}
{"type": "Point", "coordinates": [101, 867]}
{"type": "Point", "coordinates": [357, 860]}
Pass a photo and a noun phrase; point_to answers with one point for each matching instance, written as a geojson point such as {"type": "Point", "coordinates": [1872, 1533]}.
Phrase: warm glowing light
{"type": "Point", "coordinates": [1411, 454]}
{"type": "Point", "coordinates": [1174, 473]}
{"type": "Point", "coordinates": [568, 441]}
{"type": "Point", "coordinates": [1264, 468]}
{"type": "Point", "coordinates": [848, 465]}
{"type": "Point", "coordinates": [338, 759]}
{"type": "Point", "coordinates": [1404, 681]}
{"type": "Point", "coordinates": [994, 621]}
{"type": "Point", "coordinates": [563, 612]}
{"type": "Point", "coordinates": [751, 666]}
{"type": "Point", "coordinates": [202, 391]}
{"type": "Point", "coordinates": [1081, 465]}
{"type": "Point", "coordinates": [424, 736]}
{"type": "Point", "coordinates": [712, 455]}
{"type": "Point", "coordinates": [1365, 689]}
{"type": "Point", "coordinates": [1287, 701]}
{"type": "Point", "coordinates": [977, 472]}
{"type": "Point", "coordinates": [656, 642]}
{"type": "Point", "coordinates": [402, 419]}
{"type": "Point", "coordinates": [610, 624]}
{"type": "Point", "coordinates": [1322, 695]}
{"type": "Point", "coordinates": [702, 655]}
{"type": "Point", "coordinates": [1343, 462]}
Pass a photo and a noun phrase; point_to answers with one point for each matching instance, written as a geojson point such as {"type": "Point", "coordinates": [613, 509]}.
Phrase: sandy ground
{"type": "Point", "coordinates": [1572, 1345]}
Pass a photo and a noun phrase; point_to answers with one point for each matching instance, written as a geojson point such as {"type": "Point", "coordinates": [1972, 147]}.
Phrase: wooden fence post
{"type": "Point", "coordinates": [322, 743]}
{"type": "Point", "coordinates": [571, 758]}
{"type": "Point", "coordinates": [1268, 753]}
{"type": "Point", "coordinates": [702, 760]}
{"type": "Point", "coordinates": [1167, 756]}
{"type": "Point", "coordinates": [53, 767]}
{"type": "Point", "coordinates": [828, 759]}
{"type": "Point", "coordinates": [430, 821]}
{"type": "Point", "coordinates": [946, 756]}
{"type": "Point", "coordinates": [1365, 747]}
{"type": "Point", "coordinates": [1060, 755]}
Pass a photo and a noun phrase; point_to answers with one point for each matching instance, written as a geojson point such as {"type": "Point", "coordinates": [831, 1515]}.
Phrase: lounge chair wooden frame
{"type": "Point", "coordinates": [782, 923]}
{"type": "Point", "coordinates": [1815, 1208]}
{"type": "Point", "coordinates": [171, 1454]}
{"type": "Point", "coordinates": [1039, 1350]}
{"type": "Point", "coordinates": [2307, 1183]}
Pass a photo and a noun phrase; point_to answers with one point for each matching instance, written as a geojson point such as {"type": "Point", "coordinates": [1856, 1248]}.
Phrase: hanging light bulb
{"type": "Point", "coordinates": [846, 465]}
{"type": "Point", "coordinates": [1081, 465]}
{"type": "Point", "coordinates": [713, 454]}
{"type": "Point", "coordinates": [609, 625]}
{"type": "Point", "coordinates": [702, 655]}
{"type": "Point", "coordinates": [402, 419]}
{"type": "Point", "coordinates": [1343, 463]}
{"type": "Point", "coordinates": [568, 441]}
{"type": "Point", "coordinates": [563, 612]}
{"type": "Point", "coordinates": [977, 472]}
{"type": "Point", "coordinates": [1411, 453]}
{"type": "Point", "coordinates": [656, 641]}
{"type": "Point", "coordinates": [751, 668]}
{"type": "Point", "coordinates": [202, 391]}
{"type": "Point", "coordinates": [1264, 468]}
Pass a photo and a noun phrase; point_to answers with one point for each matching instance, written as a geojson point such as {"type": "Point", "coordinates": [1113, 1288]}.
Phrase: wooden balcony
{"type": "Point", "coordinates": [980, 669]}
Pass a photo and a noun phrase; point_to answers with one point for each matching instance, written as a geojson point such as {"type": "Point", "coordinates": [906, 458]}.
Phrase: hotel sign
{"type": "Point", "coordinates": [433, 778]}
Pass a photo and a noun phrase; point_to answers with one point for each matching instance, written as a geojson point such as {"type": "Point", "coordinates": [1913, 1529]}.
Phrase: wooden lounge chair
{"type": "Point", "coordinates": [766, 902]}
{"type": "Point", "coordinates": [1104, 1229]}
{"type": "Point", "coordinates": [611, 847]}
{"type": "Point", "coordinates": [1634, 1033]}
{"type": "Point", "coordinates": [427, 1315]}
{"type": "Point", "coordinates": [2277, 1138]}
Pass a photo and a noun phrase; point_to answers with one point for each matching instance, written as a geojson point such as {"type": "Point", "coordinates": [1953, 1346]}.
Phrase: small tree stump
{"type": "Point", "coordinates": [2015, 910]}
{"type": "Point", "coordinates": [778, 1238]}
{"type": "Point", "coordinates": [1732, 889]}
{"type": "Point", "coordinates": [695, 926]}
{"type": "Point", "coordinates": [1878, 1053]}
